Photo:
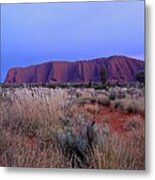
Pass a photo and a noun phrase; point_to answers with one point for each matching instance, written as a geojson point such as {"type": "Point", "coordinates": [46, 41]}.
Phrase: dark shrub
{"type": "Point", "coordinates": [112, 95]}
{"type": "Point", "coordinates": [121, 94]}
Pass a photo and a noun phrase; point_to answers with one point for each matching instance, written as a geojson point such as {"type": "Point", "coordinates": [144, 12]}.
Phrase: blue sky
{"type": "Point", "coordinates": [36, 33]}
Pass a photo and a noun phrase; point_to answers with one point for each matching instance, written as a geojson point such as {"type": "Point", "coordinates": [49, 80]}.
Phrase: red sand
{"type": "Point", "coordinates": [116, 118]}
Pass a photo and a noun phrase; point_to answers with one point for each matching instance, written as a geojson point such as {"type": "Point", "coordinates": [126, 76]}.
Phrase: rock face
{"type": "Point", "coordinates": [119, 68]}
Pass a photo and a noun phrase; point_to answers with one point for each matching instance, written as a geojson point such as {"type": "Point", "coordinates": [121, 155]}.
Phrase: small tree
{"type": "Point", "coordinates": [140, 76]}
{"type": "Point", "coordinates": [90, 84]}
{"type": "Point", "coordinates": [103, 75]}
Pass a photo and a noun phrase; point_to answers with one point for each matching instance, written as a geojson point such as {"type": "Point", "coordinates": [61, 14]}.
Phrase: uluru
{"type": "Point", "coordinates": [121, 68]}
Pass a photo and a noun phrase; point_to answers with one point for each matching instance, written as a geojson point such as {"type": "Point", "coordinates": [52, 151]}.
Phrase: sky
{"type": "Point", "coordinates": [40, 32]}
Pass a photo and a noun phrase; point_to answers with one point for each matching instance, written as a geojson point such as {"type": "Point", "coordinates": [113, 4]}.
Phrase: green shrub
{"type": "Point", "coordinates": [77, 141]}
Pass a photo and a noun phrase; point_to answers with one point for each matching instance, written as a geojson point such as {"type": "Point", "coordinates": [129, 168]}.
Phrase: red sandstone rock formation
{"type": "Point", "coordinates": [119, 68]}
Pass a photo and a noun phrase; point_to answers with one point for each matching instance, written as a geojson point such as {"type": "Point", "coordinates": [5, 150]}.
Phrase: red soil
{"type": "Point", "coordinates": [116, 119]}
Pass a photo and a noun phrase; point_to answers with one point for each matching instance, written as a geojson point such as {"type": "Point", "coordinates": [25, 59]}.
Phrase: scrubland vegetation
{"type": "Point", "coordinates": [72, 127]}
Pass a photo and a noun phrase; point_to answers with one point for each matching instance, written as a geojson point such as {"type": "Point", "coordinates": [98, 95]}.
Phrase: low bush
{"type": "Point", "coordinates": [118, 105]}
{"type": "Point", "coordinates": [121, 95]}
{"type": "Point", "coordinates": [112, 95]}
{"type": "Point", "coordinates": [104, 101]}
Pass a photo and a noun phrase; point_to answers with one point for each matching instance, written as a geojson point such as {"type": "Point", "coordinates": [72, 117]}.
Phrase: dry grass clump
{"type": "Point", "coordinates": [3, 142]}
{"type": "Point", "coordinates": [135, 125]}
{"type": "Point", "coordinates": [104, 101]}
{"type": "Point", "coordinates": [130, 105]}
{"type": "Point", "coordinates": [100, 100]}
{"type": "Point", "coordinates": [116, 153]}
{"type": "Point", "coordinates": [21, 154]}
{"type": "Point", "coordinates": [135, 106]}
{"type": "Point", "coordinates": [92, 108]}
